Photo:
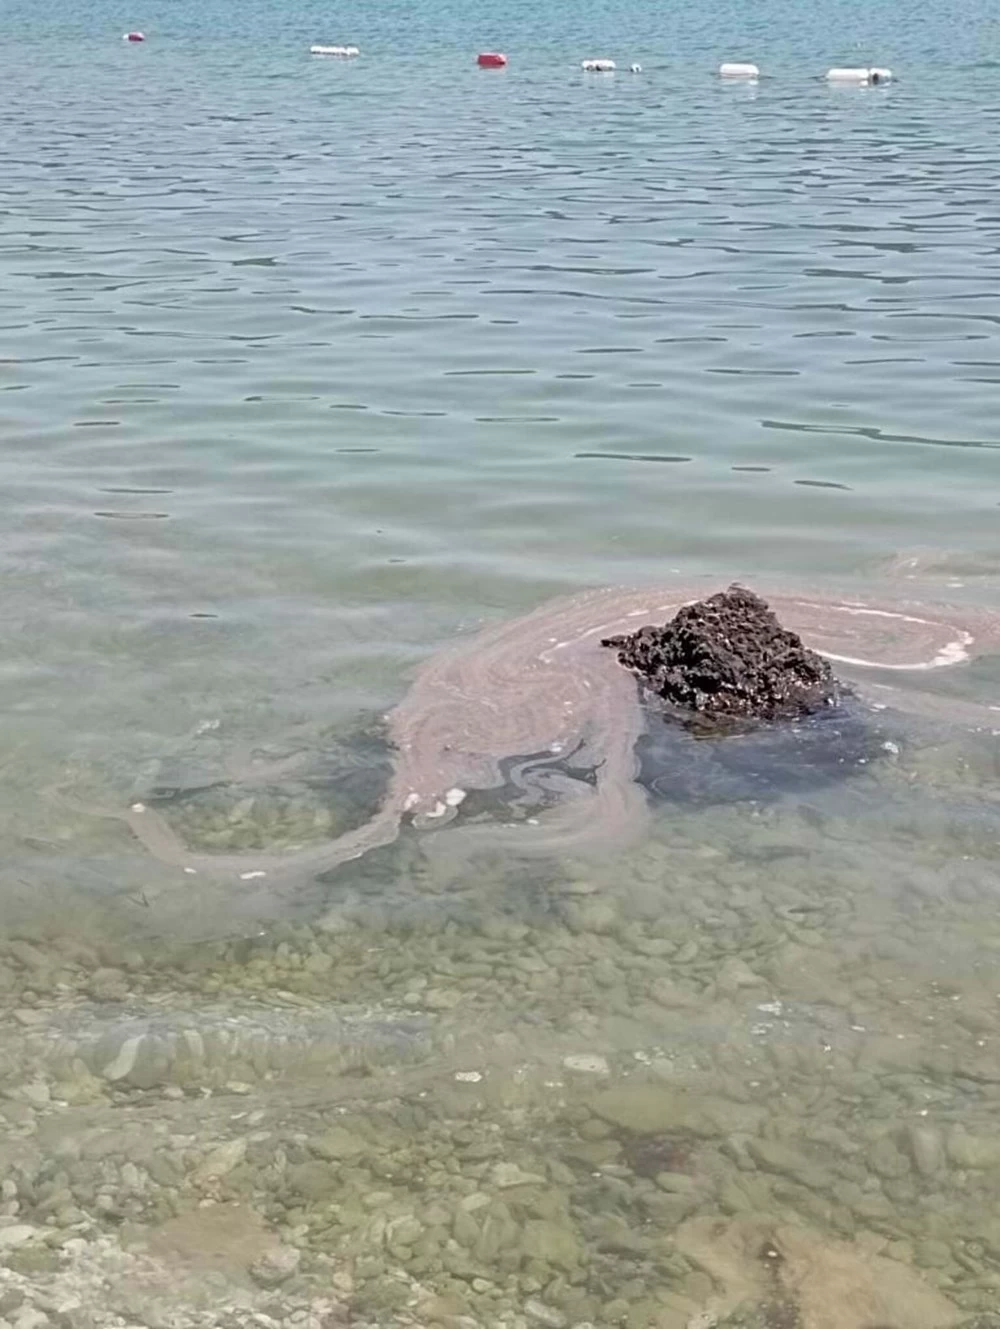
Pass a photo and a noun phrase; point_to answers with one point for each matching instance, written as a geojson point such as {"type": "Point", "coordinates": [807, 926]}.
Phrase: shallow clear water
{"type": "Point", "coordinates": [308, 367]}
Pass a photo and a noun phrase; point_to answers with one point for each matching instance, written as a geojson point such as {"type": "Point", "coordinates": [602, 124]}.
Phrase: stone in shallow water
{"type": "Point", "coordinates": [927, 1148]}
{"type": "Point", "coordinates": [506, 1175]}
{"type": "Point", "coordinates": [552, 1244]}
{"type": "Point", "coordinates": [838, 1286]}
{"type": "Point", "coordinates": [18, 1234]}
{"type": "Point", "coordinates": [972, 1151]}
{"type": "Point", "coordinates": [812, 1282]}
{"type": "Point", "coordinates": [122, 1062]}
{"type": "Point", "coordinates": [275, 1266]}
{"type": "Point", "coordinates": [649, 1109]}
{"type": "Point", "coordinates": [220, 1161]}
{"type": "Point", "coordinates": [337, 1143]}
{"type": "Point", "coordinates": [587, 1063]}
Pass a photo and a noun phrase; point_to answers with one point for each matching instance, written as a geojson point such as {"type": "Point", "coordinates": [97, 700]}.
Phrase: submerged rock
{"type": "Point", "coordinates": [275, 1266]}
{"type": "Point", "coordinates": [728, 658]}
{"type": "Point", "coordinates": [802, 1279]}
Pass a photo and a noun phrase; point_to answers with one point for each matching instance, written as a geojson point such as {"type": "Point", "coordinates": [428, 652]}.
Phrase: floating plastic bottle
{"type": "Point", "coordinates": [133, 37]}
{"type": "Point", "coordinates": [599, 66]}
{"type": "Point", "coordinates": [736, 70]}
{"type": "Point", "coordinates": [491, 60]}
{"type": "Point", "coordinates": [342, 51]}
{"type": "Point", "coordinates": [859, 76]}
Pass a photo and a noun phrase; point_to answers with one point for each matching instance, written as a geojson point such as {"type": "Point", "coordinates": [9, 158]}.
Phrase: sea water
{"type": "Point", "coordinates": [308, 367]}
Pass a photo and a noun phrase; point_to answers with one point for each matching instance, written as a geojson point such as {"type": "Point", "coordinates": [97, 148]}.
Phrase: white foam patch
{"type": "Point", "coordinates": [951, 653]}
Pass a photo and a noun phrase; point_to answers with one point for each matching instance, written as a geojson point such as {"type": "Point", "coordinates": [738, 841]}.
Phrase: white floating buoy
{"type": "Point", "coordinates": [860, 76]}
{"type": "Point", "coordinates": [736, 70]}
{"type": "Point", "coordinates": [343, 51]}
{"type": "Point", "coordinates": [599, 66]}
{"type": "Point", "coordinates": [635, 69]}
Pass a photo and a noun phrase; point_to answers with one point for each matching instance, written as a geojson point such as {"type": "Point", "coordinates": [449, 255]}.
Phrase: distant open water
{"type": "Point", "coordinates": [305, 365]}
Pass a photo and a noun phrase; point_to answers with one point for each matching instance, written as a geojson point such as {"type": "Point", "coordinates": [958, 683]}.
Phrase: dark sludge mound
{"type": "Point", "coordinates": [728, 659]}
{"type": "Point", "coordinates": [738, 708]}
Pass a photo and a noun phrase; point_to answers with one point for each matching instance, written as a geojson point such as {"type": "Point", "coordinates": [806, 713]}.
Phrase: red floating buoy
{"type": "Point", "coordinates": [492, 60]}
{"type": "Point", "coordinates": [135, 37]}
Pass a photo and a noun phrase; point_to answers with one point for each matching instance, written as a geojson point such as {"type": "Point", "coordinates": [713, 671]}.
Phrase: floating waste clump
{"type": "Point", "coordinates": [522, 701]}
{"type": "Point", "coordinates": [727, 669]}
{"type": "Point", "coordinates": [728, 658]}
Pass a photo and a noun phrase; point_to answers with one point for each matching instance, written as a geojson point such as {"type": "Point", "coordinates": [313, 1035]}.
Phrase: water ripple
{"type": "Point", "coordinates": [358, 322]}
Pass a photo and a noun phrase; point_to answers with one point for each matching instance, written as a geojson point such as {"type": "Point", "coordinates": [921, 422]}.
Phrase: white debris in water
{"type": "Point", "coordinates": [454, 797]}
{"type": "Point", "coordinates": [411, 800]}
{"type": "Point", "coordinates": [138, 807]}
{"type": "Point", "coordinates": [889, 746]}
{"type": "Point", "coordinates": [587, 1064]}
{"type": "Point", "coordinates": [251, 876]}
{"type": "Point", "coordinates": [192, 872]}
{"type": "Point", "coordinates": [771, 1007]}
{"type": "Point", "coordinates": [206, 727]}
{"type": "Point", "coordinates": [468, 1077]}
